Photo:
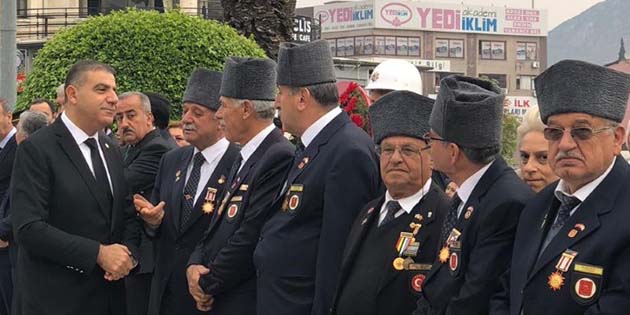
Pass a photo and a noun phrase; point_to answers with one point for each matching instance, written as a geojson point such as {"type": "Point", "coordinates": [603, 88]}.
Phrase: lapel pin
{"type": "Point", "coordinates": [419, 217]}
{"type": "Point", "coordinates": [468, 213]}
{"type": "Point", "coordinates": [303, 163]}
{"type": "Point", "coordinates": [370, 210]}
{"type": "Point", "coordinates": [430, 214]}
{"type": "Point", "coordinates": [364, 221]}
{"type": "Point", "coordinates": [221, 180]}
{"type": "Point", "coordinates": [177, 174]}
{"type": "Point", "coordinates": [581, 227]}
{"type": "Point", "coordinates": [106, 145]}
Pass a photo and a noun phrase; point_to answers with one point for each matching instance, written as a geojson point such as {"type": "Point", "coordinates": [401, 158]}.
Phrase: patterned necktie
{"type": "Point", "coordinates": [190, 190]}
{"type": "Point", "coordinates": [567, 203]}
{"type": "Point", "coordinates": [451, 218]}
{"type": "Point", "coordinates": [99, 171]}
{"type": "Point", "coordinates": [392, 207]}
{"type": "Point", "coordinates": [299, 152]}
{"type": "Point", "coordinates": [234, 169]}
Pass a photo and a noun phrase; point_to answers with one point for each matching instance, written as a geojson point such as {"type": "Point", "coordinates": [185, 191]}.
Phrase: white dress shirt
{"type": "Point", "coordinates": [212, 155]}
{"type": "Point", "coordinates": [6, 139]}
{"type": "Point", "coordinates": [467, 187]}
{"type": "Point", "coordinates": [250, 147]}
{"type": "Point", "coordinates": [583, 192]}
{"type": "Point", "coordinates": [406, 203]}
{"type": "Point", "coordinates": [313, 130]}
{"type": "Point", "coordinates": [79, 137]}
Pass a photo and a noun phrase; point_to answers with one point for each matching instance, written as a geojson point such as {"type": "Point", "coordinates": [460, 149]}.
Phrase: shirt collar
{"type": "Point", "coordinates": [214, 150]}
{"type": "Point", "coordinates": [586, 190]}
{"type": "Point", "coordinates": [250, 147]}
{"type": "Point", "coordinates": [6, 139]}
{"type": "Point", "coordinates": [408, 203]}
{"type": "Point", "coordinates": [466, 188]}
{"type": "Point", "coordinates": [313, 130]}
{"type": "Point", "coordinates": [77, 133]}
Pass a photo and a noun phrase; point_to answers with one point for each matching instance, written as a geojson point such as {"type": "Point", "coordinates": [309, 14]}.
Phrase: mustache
{"type": "Point", "coordinates": [127, 129]}
{"type": "Point", "coordinates": [189, 127]}
{"type": "Point", "coordinates": [567, 154]}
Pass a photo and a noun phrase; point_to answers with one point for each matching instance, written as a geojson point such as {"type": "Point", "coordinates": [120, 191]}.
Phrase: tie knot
{"type": "Point", "coordinates": [393, 206]}
{"type": "Point", "coordinates": [91, 142]}
{"type": "Point", "coordinates": [199, 159]}
{"type": "Point", "coordinates": [568, 201]}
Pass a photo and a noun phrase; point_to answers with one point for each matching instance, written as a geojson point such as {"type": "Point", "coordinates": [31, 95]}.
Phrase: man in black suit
{"type": "Point", "coordinates": [335, 172]}
{"type": "Point", "coordinates": [571, 253]}
{"type": "Point", "coordinates": [161, 110]}
{"type": "Point", "coordinates": [221, 268]}
{"type": "Point", "coordinates": [141, 158]}
{"type": "Point", "coordinates": [394, 240]}
{"type": "Point", "coordinates": [7, 146]}
{"type": "Point", "coordinates": [479, 229]}
{"type": "Point", "coordinates": [188, 185]}
{"type": "Point", "coordinates": [76, 227]}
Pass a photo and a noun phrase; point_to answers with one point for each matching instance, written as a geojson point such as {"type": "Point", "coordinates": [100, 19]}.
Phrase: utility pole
{"type": "Point", "coordinates": [8, 51]}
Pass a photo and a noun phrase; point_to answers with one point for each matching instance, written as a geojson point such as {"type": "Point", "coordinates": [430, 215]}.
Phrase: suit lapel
{"type": "Point", "coordinates": [369, 218]}
{"type": "Point", "coordinates": [599, 202]}
{"type": "Point", "coordinates": [115, 173]}
{"type": "Point", "coordinates": [221, 171]}
{"type": "Point", "coordinates": [427, 203]}
{"type": "Point", "coordinates": [11, 144]}
{"type": "Point", "coordinates": [313, 149]}
{"type": "Point", "coordinates": [70, 147]}
{"type": "Point", "coordinates": [178, 188]}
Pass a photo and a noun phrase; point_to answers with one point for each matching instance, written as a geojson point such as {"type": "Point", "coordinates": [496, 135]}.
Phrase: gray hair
{"type": "Point", "coordinates": [31, 122]}
{"type": "Point", "coordinates": [264, 109]}
{"type": "Point", "coordinates": [326, 94]}
{"type": "Point", "coordinates": [6, 107]}
{"type": "Point", "coordinates": [531, 122]}
{"type": "Point", "coordinates": [61, 90]}
{"type": "Point", "coordinates": [144, 99]}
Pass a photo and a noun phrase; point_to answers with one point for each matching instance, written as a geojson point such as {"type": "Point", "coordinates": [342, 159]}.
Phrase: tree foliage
{"type": "Point", "coordinates": [150, 51]}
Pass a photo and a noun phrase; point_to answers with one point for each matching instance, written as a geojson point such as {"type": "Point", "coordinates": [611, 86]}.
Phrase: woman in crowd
{"type": "Point", "coordinates": [532, 151]}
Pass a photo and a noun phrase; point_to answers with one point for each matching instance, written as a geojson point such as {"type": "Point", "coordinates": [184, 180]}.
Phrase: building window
{"type": "Point", "coordinates": [500, 79]}
{"type": "Point", "coordinates": [333, 46]}
{"type": "Point", "coordinates": [345, 47]}
{"type": "Point", "coordinates": [402, 46]}
{"type": "Point", "coordinates": [449, 48]}
{"type": "Point", "coordinates": [390, 45]}
{"type": "Point", "coordinates": [526, 51]}
{"type": "Point", "coordinates": [379, 45]}
{"type": "Point", "coordinates": [525, 82]}
{"type": "Point", "coordinates": [414, 46]}
{"type": "Point", "coordinates": [492, 50]}
{"type": "Point", "coordinates": [22, 6]}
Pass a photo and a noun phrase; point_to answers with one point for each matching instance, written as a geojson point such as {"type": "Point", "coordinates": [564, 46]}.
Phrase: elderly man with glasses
{"type": "Point", "coordinates": [394, 240]}
{"type": "Point", "coordinates": [571, 253]}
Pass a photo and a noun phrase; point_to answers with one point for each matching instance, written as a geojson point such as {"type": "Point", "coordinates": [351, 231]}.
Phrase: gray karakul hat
{"type": "Point", "coordinates": [400, 113]}
{"type": "Point", "coordinates": [571, 86]}
{"type": "Point", "coordinates": [468, 112]}
{"type": "Point", "coordinates": [249, 79]}
{"type": "Point", "coordinates": [304, 65]}
{"type": "Point", "coordinates": [203, 88]}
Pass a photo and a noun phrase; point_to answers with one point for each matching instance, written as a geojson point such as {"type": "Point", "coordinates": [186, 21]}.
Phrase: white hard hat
{"type": "Point", "coordinates": [397, 75]}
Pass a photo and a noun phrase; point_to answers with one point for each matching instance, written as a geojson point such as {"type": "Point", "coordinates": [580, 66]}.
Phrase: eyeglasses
{"type": "Point", "coordinates": [580, 133]}
{"type": "Point", "coordinates": [405, 150]}
{"type": "Point", "coordinates": [427, 137]}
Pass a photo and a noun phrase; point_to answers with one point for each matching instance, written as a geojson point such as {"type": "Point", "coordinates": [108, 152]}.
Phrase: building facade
{"type": "Point", "coordinates": [507, 45]}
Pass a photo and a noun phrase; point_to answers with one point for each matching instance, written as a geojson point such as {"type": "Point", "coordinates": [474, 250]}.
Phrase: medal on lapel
{"type": "Point", "coordinates": [556, 279]}
{"type": "Point", "coordinates": [221, 180]}
{"type": "Point", "coordinates": [451, 241]}
{"type": "Point", "coordinates": [303, 162]}
{"type": "Point", "coordinates": [208, 205]}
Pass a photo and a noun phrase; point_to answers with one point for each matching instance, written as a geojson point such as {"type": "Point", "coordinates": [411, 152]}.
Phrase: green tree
{"type": "Point", "coordinates": [508, 138]}
{"type": "Point", "coordinates": [150, 51]}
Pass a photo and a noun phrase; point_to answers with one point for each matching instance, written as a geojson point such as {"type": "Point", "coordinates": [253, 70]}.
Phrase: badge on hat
{"type": "Point", "coordinates": [556, 279]}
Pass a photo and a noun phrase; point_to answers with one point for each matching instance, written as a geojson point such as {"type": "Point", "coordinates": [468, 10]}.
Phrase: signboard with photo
{"type": "Point", "coordinates": [414, 46]}
{"type": "Point", "coordinates": [441, 48]}
{"type": "Point", "coordinates": [390, 45]}
{"type": "Point", "coordinates": [456, 48]}
{"type": "Point", "coordinates": [402, 46]}
{"type": "Point", "coordinates": [498, 50]}
{"type": "Point", "coordinates": [521, 51]}
{"type": "Point", "coordinates": [369, 45]}
{"type": "Point", "coordinates": [349, 46]}
{"type": "Point", "coordinates": [486, 50]}
{"type": "Point", "coordinates": [358, 45]}
{"type": "Point", "coordinates": [531, 51]}
{"type": "Point", "coordinates": [379, 45]}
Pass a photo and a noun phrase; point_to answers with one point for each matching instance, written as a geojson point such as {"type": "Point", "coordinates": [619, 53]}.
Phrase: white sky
{"type": "Point", "coordinates": [558, 10]}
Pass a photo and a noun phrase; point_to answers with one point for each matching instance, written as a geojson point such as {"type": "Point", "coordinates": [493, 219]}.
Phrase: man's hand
{"type": "Point", "coordinates": [203, 300]}
{"type": "Point", "coordinates": [151, 214]}
{"type": "Point", "coordinates": [4, 244]}
{"type": "Point", "coordinates": [116, 260]}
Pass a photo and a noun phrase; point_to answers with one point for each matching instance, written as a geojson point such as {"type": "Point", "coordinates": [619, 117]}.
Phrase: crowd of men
{"type": "Point", "coordinates": [221, 214]}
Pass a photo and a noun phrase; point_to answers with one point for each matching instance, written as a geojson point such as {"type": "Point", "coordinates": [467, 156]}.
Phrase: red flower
{"type": "Point", "coordinates": [351, 106]}
{"type": "Point", "coordinates": [357, 120]}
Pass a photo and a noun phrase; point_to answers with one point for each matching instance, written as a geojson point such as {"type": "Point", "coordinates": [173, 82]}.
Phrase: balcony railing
{"type": "Point", "coordinates": [41, 24]}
